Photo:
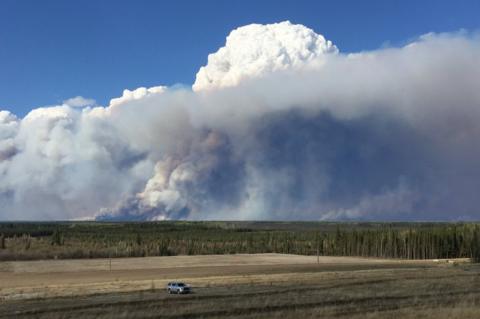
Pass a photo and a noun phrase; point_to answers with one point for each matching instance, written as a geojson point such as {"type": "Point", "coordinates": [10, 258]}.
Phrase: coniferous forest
{"type": "Point", "coordinates": [62, 240]}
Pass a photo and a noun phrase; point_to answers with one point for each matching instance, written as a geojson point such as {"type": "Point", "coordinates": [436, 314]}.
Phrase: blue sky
{"type": "Point", "coordinates": [52, 50]}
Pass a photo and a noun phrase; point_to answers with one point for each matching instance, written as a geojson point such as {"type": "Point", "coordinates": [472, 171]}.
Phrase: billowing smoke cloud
{"type": "Point", "coordinates": [279, 125]}
{"type": "Point", "coordinates": [256, 49]}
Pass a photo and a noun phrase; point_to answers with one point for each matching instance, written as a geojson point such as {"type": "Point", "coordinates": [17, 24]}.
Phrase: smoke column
{"type": "Point", "coordinates": [279, 125]}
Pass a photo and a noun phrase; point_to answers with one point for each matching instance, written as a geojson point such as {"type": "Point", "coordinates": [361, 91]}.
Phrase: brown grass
{"type": "Point", "coordinates": [259, 286]}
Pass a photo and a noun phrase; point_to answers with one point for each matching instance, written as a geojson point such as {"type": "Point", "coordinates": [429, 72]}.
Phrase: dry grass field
{"type": "Point", "coordinates": [240, 286]}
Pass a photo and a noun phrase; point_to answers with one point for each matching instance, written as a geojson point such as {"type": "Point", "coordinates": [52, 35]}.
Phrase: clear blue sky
{"type": "Point", "coordinates": [51, 50]}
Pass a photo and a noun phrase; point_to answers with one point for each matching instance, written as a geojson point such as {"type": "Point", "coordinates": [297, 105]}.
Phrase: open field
{"type": "Point", "coordinates": [241, 286]}
{"type": "Point", "coordinates": [239, 270]}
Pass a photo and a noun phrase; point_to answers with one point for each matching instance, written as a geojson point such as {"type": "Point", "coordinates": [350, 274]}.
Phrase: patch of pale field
{"type": "Point", "coordinates": [75, 265]}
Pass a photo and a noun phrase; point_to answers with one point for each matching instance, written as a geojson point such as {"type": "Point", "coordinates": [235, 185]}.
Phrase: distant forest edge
{"type": "Point", "coordinates": [65, 240]}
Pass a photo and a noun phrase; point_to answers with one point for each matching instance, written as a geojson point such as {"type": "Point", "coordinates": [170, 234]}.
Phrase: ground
{"type": "Point", "coordinates": [240, 286]}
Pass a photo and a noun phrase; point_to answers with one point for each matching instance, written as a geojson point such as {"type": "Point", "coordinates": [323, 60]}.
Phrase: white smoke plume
{"type": "Point", "coordinates": [278, 125]}
{"type": "Point", "coordinates": [256, 49]}
{"type": "Point", "coordinates": [79, 101]}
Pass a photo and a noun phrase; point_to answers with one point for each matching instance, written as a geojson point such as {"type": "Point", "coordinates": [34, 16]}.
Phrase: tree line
{"type": "Point", "coordinates": [96, 240]}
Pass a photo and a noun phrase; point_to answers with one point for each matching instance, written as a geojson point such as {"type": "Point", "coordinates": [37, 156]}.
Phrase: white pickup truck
{"type": "Point", "coordinates": [178, 288]}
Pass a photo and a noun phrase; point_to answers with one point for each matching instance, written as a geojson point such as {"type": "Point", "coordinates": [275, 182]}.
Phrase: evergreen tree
{"type": "Point", "coordinates": [2, 241]}
{"type": "Point", "coordinates": [57, 238]}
